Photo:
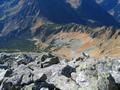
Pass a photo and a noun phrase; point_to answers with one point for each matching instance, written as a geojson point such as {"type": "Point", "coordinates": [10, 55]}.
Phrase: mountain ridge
{"type": "Point", "coordinates": [25, 18]}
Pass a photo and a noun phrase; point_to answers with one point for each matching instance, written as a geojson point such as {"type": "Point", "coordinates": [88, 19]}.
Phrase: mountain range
{"type": "Point", "coordinates": [59, 44]}
{"type": "Point", "coordinates": [21, 20]}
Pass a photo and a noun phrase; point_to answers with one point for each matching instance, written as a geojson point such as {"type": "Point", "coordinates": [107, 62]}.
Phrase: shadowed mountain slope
{"type": "Point", "coordinates": [111, 6]}
{"type": "Point", "coordinates": [20, 19]}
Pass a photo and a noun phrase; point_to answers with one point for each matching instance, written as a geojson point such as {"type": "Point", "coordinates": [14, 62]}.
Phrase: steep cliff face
{"type": "Point", "coordinates": [21, 14]}
{"type": "Point", "coordinates": [18, 14]}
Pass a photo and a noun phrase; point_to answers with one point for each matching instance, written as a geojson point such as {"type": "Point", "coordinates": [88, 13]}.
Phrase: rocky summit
{"type": "Point", "coordinates": [46, 71]}
{"type": "Point", "coordinates": [59, 44]}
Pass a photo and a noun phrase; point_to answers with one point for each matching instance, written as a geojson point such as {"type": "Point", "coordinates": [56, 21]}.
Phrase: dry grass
{"type": "Point", "coordinates": [102, 46]}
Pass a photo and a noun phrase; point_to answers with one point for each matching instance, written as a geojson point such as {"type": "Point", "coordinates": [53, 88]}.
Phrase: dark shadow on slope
{"type": "Point", "coordinates": [59, 11]}
{"type": "Point", "coordinates": [91, 10]}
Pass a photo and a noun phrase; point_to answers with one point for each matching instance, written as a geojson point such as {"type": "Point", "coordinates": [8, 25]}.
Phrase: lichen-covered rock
{"type": "Point", "coordinates": [23, 59]}
{"type": "Point", "coordinates": [87, 74]}
{"type": "Point", "coordinates": [48, 60]}
{"type": "Point", "coordinates": [115, 72]}
{"type": "Point", "coordinates": [63, 83]}
{"type": "Point", "coordinates": [2, 74]}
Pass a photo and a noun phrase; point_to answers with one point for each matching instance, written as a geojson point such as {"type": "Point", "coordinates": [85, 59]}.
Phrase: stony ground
{"type": "Point", "coordinates": [46, 71]}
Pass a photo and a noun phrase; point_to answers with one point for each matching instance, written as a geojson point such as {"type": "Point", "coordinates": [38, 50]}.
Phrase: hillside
{"type": "Point", "coordinates": [20, 19]}
{"type": "Point", "coordinates": [72, 40]}
{"type": "Point", "coordinates": [59, 44]}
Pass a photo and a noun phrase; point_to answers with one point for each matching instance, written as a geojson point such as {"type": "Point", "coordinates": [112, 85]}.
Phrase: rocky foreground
{"type": "Point", "coordinates": [45, 71]}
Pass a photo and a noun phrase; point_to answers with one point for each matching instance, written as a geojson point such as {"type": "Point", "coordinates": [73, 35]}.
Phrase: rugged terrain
{"type": "Point", "coordinates": [45, 71]}
{"type": "Point", "coordinates": [71, 40]}
{"type": "Point", "coordinates": [74, 57]}
{"type": "Point", "coordinates": [59, 45]}
{"type": "Point", "coordinates": [19, 19]}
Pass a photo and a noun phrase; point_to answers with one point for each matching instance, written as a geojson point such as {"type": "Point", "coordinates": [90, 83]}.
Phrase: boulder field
{"type": "Point", "coordinates": [46, 71]}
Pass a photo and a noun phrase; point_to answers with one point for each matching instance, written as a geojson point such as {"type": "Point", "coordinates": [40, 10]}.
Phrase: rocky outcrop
{"type": "Point", "coordinates": [57, 73]}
